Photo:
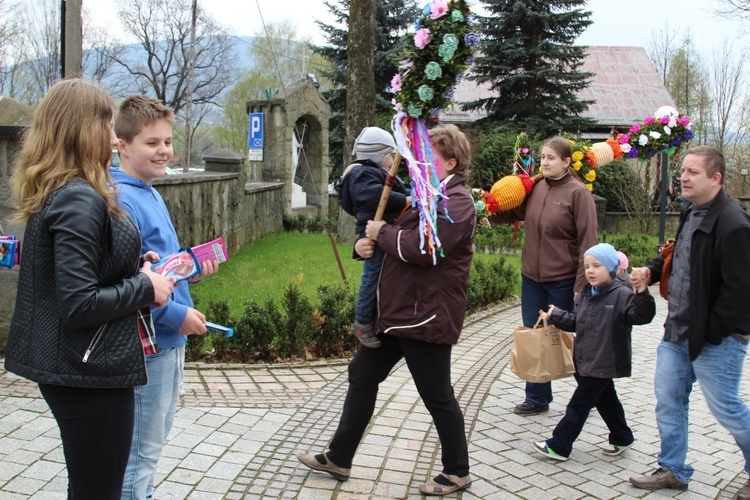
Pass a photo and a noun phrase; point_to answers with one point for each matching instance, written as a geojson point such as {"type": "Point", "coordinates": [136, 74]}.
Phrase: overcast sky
{"type": "Point", "coordinates": [630, 22]}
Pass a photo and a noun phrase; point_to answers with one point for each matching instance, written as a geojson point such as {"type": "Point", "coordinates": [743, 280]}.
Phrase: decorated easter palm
{"type": "Point", "coordinates": [433, 63]}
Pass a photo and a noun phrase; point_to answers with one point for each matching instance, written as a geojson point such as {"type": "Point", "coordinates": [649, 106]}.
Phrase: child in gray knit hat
{"type": "Point", "coordinates": [359, 195]}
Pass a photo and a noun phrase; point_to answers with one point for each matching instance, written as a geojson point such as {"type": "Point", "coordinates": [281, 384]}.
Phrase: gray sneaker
{"type": "Point", "coordinates": [366, 335]}
{"type": "Point", "coordinates": [658, 480]}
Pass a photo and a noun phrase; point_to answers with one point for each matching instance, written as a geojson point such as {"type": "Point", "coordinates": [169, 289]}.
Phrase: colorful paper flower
{"type": "Point", "coordinates": [396, 83]}
{"type": "Point", "coordinates": [425, 93]}
{"type": "Point", "coordinates": [422, 38]}
{"type": "Point", "coordinates": [439, 9]}
{"type": "Point", "coordinates": [471, 39]}
{"type": "Point", "coordinates": [433, 71]}
{"type": "Point", "coordinates": [457, 16]}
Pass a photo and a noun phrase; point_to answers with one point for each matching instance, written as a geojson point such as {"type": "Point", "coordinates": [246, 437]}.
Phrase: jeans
{"type": "Point", "coordinates": [536, 296]}
{"type": "Point", "coordinates": [367, 299]}
{"type": "Point", "coordinates": [155, 406]}
{"type": "Point", "coordinates": [718, 368]}
{"type": "Point", "coordinates": [430, 367]}
{"type": "Point", "coordinates": [591, 393]}
{"type": "Point", "coordinates": [95, 426]}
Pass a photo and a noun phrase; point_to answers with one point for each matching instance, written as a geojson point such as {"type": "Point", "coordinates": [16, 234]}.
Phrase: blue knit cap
{"type": "Point", "coordinates": [607, 255]}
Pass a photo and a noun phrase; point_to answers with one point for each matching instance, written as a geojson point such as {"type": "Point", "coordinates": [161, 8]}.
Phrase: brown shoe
{"type": "Point", "coordinates": [744, 492]}
{"type": "Point", "coordinates": [435, 489]}
{"type": "Point", "coordinates": [321, 463]}
{"type": "Point", "coordinates": [658, 480]}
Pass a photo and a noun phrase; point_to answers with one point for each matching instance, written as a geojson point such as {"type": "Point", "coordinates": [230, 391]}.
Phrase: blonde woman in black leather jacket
{"type": "Point", "coordinates": [74, 327]}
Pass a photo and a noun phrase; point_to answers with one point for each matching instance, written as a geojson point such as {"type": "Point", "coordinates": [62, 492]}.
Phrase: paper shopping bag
{"type": "Point", "coordinates": [542, 353]}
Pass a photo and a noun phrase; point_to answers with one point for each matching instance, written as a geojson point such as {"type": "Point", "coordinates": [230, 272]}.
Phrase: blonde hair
{"type": "Point", "coordinates": [137, 112]}
{"type": "Point", "coordinates": [69, 138]}
{"type": "Point", "coordinates": [450, 142]}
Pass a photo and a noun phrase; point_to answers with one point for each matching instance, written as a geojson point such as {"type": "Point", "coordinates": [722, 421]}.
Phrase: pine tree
{"type": "Point", "coordinates": [528, 58]}
{"type": "Point", "coordinates": [393, 18]}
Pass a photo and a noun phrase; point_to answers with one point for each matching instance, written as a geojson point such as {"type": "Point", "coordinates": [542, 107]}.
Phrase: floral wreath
{"type": "Point", "coordinates": [665, 131]}
{"type": "Point", "coordinates": [431, 67]}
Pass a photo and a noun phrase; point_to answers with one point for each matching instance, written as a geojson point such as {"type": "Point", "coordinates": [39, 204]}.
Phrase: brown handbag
{"type": "Point", "coordinates": [666, 254]}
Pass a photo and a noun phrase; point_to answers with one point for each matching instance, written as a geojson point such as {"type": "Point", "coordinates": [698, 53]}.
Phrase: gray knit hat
{"type": "Point", "coordinates": [374, 144]}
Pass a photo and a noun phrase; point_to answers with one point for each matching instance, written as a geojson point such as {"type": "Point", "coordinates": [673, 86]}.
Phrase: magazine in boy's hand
{"type": "Point", "coordinates": [180, 266]}
{"type": "Point", "coordinates": [211, 251]}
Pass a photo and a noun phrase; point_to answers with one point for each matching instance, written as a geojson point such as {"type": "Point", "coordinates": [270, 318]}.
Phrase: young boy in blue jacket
{"type": "Point", "coordinates": [359, 195]}
{"type": "Point", "coordinates": [144, 129]}
{"type": "Point", "coordinates": [603, 318]}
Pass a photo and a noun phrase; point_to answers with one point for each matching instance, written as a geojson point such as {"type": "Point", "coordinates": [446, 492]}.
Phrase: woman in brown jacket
{"type": "Point", "coordinates": [421, 309]}
{"type": "Point", "coordinates": [560, 224]}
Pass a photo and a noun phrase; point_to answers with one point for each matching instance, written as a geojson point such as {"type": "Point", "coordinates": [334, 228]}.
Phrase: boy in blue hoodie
{"type": "Point", "coordinates": [144, 129]}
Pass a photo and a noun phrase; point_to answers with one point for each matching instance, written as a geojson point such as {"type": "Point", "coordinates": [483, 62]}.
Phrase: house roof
{"type": "Point", "coordinates": [625, 88]}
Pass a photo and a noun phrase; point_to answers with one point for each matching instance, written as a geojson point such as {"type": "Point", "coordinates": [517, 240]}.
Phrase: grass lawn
{"type": "Point", "coordinates": [266, 268]}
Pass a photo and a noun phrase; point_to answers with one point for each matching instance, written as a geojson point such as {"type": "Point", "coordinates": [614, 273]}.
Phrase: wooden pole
{"type": "Point", "coordinates": [387, 188]}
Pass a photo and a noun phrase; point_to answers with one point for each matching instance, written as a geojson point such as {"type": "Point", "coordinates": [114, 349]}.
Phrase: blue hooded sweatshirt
{"type": "Point", "coordinates": [147, 209]}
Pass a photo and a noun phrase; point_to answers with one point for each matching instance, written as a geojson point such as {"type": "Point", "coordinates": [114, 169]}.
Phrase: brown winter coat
{"type": "Point", "coordinates": [419, 300]}
{"type": "Point", "coordinates": [560, 224]}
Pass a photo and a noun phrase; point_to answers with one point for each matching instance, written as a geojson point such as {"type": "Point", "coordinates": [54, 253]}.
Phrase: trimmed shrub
{"type": "Point", "coordinates": [337, 310]}
{"type": "Point", "coordinates": [490, 283]}
{"type": "Point", "coordinates": [256, 329]}
{"type": "Point", "coordinates": [620, 185]}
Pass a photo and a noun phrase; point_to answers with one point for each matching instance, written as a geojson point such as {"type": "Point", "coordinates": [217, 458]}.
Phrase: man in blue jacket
{"type": "Point", "coordinates": [708, 323]}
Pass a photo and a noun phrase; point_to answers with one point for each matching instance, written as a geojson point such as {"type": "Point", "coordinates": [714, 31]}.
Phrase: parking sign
{"type": "Point", "coordinates": [255, 137]}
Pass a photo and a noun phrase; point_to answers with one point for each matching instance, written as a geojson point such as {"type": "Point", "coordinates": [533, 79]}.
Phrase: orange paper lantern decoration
{"type": "Point", "coordinates": [510, 191]}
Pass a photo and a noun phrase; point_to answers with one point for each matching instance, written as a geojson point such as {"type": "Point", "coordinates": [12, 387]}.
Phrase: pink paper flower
{"type": "Point", "coordinates": [397, 105]}
{"type": "Point", "coordinates": [396, 83]}
{"type": "Point", "coordinates": [439, 9]}
{"type": "Point", "coordinates": [625, 138]}
{"type": "Point", "coordinates": [635, 129]}
{"type": "Point", "coordinates": [422, 38]}
{"type": "Point", "coordinates": [648, 121]}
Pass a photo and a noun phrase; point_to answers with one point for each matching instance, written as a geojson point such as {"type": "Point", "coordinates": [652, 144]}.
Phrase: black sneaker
{"type": "Point", "coordinates": [366, 335]}
{"type": "Point", "coordinates": [529, 408]}
{"type": "Point", "coordinates": [615, 449]}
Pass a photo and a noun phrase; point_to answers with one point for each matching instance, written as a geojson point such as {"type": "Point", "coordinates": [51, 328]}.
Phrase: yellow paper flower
{"type": "Point", "coordinates": [572, 142]}
{"type": "Point", "coordinates": [590, 176]}
{"type": "Point", "coordinates": [577, 156]}
{"type": "Point", "coordinates": [577, 165]}
{"type": "Point", "coordinates": [590, 187]}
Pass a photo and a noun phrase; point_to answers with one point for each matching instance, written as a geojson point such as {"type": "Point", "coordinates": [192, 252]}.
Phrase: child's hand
{"type": "Point", "coordinates": [150, 256]}
{"type": "Point", "coordinates": [642, 286]}
{"type": "Point", "coordinates": [195, 322]}
{"type": "Point", "coordinates": [640, 276]}
{"type": "Point", "coordinates": [546, 315]}
{"type": "Point", "coordinates": [207, 268]}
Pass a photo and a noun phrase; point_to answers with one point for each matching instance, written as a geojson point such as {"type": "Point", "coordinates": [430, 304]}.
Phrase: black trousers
{"type": "Point", "coordinates": [96, 427]}
{"type": "Point", "coordinates": [430, 366]}
{"type": "Point", "coordinates": [591, 393]}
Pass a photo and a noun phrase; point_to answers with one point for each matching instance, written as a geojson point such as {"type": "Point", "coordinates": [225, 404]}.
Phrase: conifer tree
{"type": "Point", "coordinates": [393, 18]}
{"type": "Point", "coordinates": [528, 59]}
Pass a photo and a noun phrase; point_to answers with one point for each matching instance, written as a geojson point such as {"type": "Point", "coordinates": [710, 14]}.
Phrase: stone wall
{"type": "Point", "coordinates": [207, 205]}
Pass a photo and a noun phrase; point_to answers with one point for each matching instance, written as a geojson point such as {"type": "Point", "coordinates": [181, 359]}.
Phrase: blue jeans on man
{"type": "Point", "coordinates": [718, 368]}
{"type": "Point", "coordinates": [536, 296]}
{"type": "Point", "coordinates": [155, 406]}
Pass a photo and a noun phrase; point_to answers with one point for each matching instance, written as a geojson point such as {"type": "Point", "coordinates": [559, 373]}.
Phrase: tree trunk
{"type": "Point", "coordinates": [360, 88]}
{"type": "Point", "coordinates": [360, 82]}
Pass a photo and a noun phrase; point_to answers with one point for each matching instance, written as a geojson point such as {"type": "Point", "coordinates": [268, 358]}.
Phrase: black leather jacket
{"type": "Point", "coordinates": [78, 291]}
